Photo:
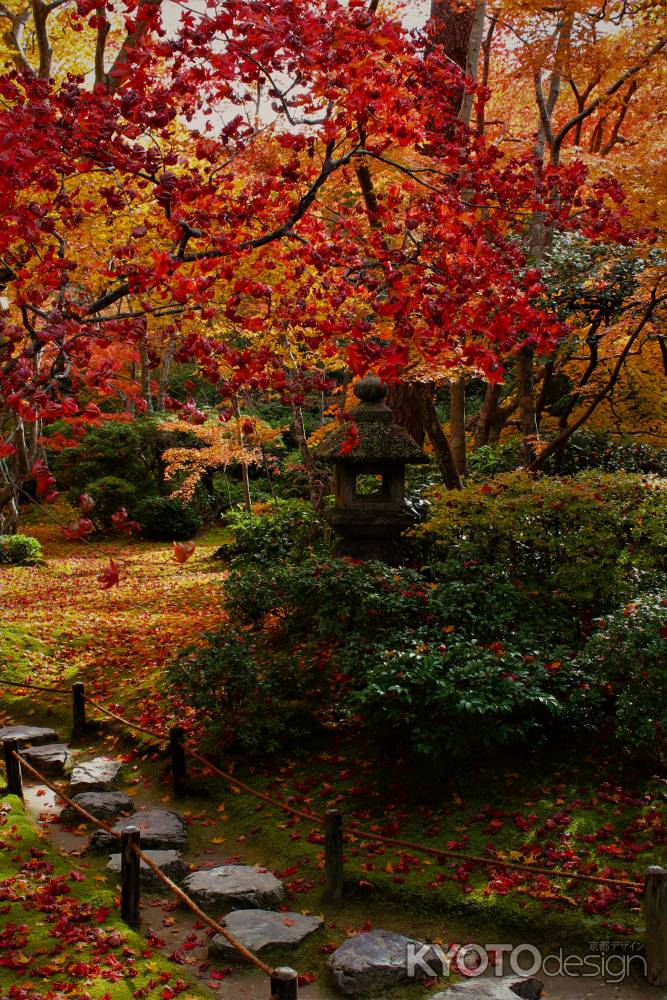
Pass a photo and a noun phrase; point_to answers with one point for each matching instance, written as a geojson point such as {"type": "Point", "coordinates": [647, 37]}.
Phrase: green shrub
{"type": "Point", "coordinates": [245, 698]}
{"type": "Point", "coordinates": [286, 530]}
{"type": "Point", "coordinates": [16, 549]}
{"type": "Point", "coordinates": [335, 637]}
{"type": "Point", "coordinates": [460, 695]}
{"type": "Point", "coordinates": [166, 519]}
{"type": "Point", "coordinates": [582, 451]}
{"type": "Point", "coordinates": [110, 494]}
{"type": "Point", "coordinates": [131, 451]}
{"type": "Point", "coordinates": [627, 658]}
{"type": "Point", "coordinates": [597, 450]}
{"type": "Point", "coordinates": [588, 539]}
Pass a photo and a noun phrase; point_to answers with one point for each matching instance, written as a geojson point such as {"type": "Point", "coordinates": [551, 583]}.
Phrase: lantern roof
{"type": "Point", "coordinates": [380, 440]}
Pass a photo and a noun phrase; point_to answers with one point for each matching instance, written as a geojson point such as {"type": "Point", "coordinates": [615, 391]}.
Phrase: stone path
{"type": "Point", "coordinates": [257, 929]}
{"type": "Point", "coordinates": [242, 896]}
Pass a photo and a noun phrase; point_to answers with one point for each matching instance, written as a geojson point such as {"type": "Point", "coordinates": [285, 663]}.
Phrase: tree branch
{"type": "Point", "coordinates": [609, 92]}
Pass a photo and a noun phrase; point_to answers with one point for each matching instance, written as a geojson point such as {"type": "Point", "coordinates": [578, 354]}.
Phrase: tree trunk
{"type": "Point", "coordinates": [486, 413]}
{"type": "Point", "coordinates": [245, 476]}
{"type": "Point", "coordinates": [145, 375]}
{"type": "Point", "coordinates": [453, 24]}
{"type": "Point", "coordinates": [526, 393]}
{"type": "Point", "coordinates": [457, 423]}
{"type": "Point", "coordinates": [317, 478]}
{"type": "Point", "coordinates": [403, 403]}
{"type": "Point", "coordinates": [437, 437]}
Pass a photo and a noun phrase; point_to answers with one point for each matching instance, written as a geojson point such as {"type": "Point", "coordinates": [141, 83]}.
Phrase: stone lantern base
{"type": "Point", "coordinates": [370, 534]}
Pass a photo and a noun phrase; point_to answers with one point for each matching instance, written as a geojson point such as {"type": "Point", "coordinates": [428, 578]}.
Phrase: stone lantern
{"type": "Point", "coordinates": [369, 480]}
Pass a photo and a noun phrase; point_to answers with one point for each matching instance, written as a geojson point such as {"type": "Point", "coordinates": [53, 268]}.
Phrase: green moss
{"type": "Point", "coordinates": [21, 842]}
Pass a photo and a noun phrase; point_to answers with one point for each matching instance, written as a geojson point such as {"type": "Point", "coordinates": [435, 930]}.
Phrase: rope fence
{"type": "Point", "coordinates": [131, 858]}
{"type": "Point", "coordinates": [334, 835]}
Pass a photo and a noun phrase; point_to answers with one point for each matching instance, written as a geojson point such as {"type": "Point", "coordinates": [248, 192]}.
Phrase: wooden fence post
{"type": "Point", "coordinates": [13, 767]}
{"type": "Point", "coordinates": [130, 870]}
{"type": "Point", "coordinates": [655, 910]}
{"type": "Point", "coordinates": [284, 984]}
{"type": "Point", "coordinates": [78, 710]}
{"type": "Point", "coordinates": [178, 771]}
{"type": "Point", "coordinates": [333, 856]}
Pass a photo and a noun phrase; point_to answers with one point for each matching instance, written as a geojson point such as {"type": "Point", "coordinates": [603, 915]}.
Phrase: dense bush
{"type": "Point", "coordinates": [166, 518]}
{"type": "Point", "coordinates": [286, 529]}
{"type": "Point", "coordinates": [16, 549]}
{"type": "Point", "coordinates": [582, 451]}
{"type": "Point", "coordinates": [487, 645]}
{"type": "Point", "coordinates": [129, 451]}
{"type": "Point", "coordinates": [110, 494]}
{"type": "Point", "coordinates": [589, 539]}
{"type": "Point", "coordinates": [627, 658]}
{"type": "Point", "coordinates": [428, 664]}
{"type": "Point", "coordinates": [597, 450]}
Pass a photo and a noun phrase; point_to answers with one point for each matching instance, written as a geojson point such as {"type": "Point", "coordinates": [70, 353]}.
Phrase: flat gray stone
{"type": "Point", "coordinates": [102, 805]}
{"type": "Point", "coordinates": [505, 988]}
{"type": "Point", "coordinates": [28, 735]}
{"type": "Point", "coordinates": [236, 886]}
{"type": "Point", "coordinates": [161, 829]}
{"type": "Point", "coordinates": [99, 775]}
{"type": "Point", "coordinates": [377, 960]}
{"type": "Point", "coordinates": [169, 862]}
{"type": "Point", "coordinates": [257, 929]}
{"type": "Point", "coordinates": [52, 759]}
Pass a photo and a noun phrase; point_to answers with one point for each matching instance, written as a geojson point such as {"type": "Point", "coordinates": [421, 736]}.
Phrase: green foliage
{"type": "Point", "coordinates": [128, 451]}
{"type": "Point", "coordinates": [17, 549]}
{"type": "Point", "coordinates": [286, 530]}
{"type": "Point", "coordinates": [110, 493]}
{"type": "Point", "coordinates": [460, 695]}
{"type": "Point", "coordinates": [587, 539]}
{"type": "Point", "coordinates": [245, 697]}
{"type": "Point", "coordinates": [166, 518]}
{"type": "Point", "coordinates": [584, 277]}
{"type": "Point", "coordinates": [597, 450]}
{"type": "Point", "coordinates": [628, 659]}
{"type": "Point", "coordinates": [583, 450]}
{"type": "Point", "coordinates": [422, 662]}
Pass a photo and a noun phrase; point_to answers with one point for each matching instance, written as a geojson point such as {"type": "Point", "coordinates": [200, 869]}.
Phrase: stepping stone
{"type": "Point", "coordinates": [161, 829]}
{"type": "Point", "coordinates": [377, 960]}
{"type": "Point", "coordinates": [507, 988]}
{"type": "Point", "coordinates": [28, 735]}
{"type": "Point", "coordinates": [102, 805]}
{"type": "Point", "coordinates": [52, 759]}
{"type": "Point", "coordinates": [257, 929]}
{"type": "Point", "coordinates": [99, 775]}
{"type": "Point", "coordinates": [235, 886]}
{"type": "Point", "coordinates": [169, 862]}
